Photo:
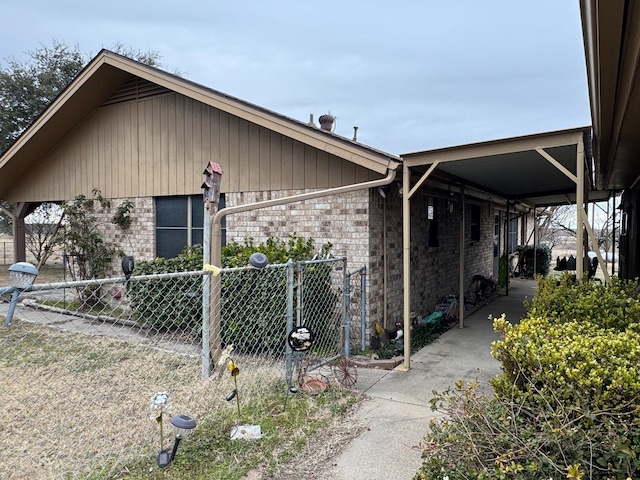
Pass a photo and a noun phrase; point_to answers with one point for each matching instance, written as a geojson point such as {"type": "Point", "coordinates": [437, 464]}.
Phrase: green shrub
{"type": "Point", "coordinates": [253, 303]}
{"type": "Point", "coordinates": [614, 306]}
{"type": "Point", "coordinates": [543, 260]}
{"type": "Point", "coordinates": [572, 362]}
{"type": "Point", "coordinates": [173, 303]}
{"type": "Point", "coordinates": [566, 403]}
{"type": "Point", "coordinates": [490, 438]}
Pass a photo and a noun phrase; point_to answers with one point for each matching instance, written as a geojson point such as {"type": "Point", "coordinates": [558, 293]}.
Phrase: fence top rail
{"type": "Point", "coordinates": [322, 260]}
{"type": "Point", "coordinates": [111, 280]}
{"type": "Point", "coordinates": [137, 278]}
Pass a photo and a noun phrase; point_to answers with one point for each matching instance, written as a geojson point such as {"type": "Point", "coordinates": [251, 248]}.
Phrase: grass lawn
{"type": "Point", "coordinates": [79, 408]}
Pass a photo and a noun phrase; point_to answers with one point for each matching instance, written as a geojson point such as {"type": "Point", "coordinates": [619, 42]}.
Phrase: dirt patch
{"type": "Point", "coordinates": [315, 460]}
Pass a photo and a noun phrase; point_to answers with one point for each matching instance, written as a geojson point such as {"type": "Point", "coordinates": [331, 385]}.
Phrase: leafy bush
{"type": "Point", "coordinates": [257, 323]}
{"type": "Point", "coordinates": [613, 306]}
{"type": "Point", "coordinates": [488, 438]}
{"type": "Point", "coordinates": [173, 303]}
{"type": "Point", "coordinates": [543, 260]}
{"type": "Point", "coordinates": [253, 303]}
{"type": "Point", "coordinates": [566, 404]}
{"type": "Point", "coordinates": [567, 363]}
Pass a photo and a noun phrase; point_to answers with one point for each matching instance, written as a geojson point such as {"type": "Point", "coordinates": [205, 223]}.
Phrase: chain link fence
{"type": "Point", "coordinates": [6, 253]}
{"type": "Point", "coordinates": [81, 360]}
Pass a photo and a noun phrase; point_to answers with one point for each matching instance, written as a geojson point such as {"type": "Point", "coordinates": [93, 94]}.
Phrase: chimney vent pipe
{"type": "Point", "coordinates": [327, 122]}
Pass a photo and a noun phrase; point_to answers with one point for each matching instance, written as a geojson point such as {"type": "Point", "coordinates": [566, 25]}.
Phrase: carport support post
{"type": "Point", "coordinates": [507, 247]}
{"type": "Point", "coordinates": [461, 278]}
{"type": "Point", "coordinates": [579, 207]}
{"type": "Point", "coordinates": [535, 242]}
{"type": "Point", "coordinates": [406, 261]}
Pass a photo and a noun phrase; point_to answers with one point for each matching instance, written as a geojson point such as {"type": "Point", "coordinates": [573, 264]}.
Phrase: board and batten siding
{"type": "Point", "coordinates": [159, 146]}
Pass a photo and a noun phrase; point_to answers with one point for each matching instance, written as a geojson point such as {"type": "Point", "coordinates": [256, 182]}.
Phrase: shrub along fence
{"type": "Point", "coordinates": [81, 360]}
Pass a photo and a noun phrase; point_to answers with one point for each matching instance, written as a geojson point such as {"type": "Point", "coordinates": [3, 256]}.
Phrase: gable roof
{"type": "Point", "coordinates": [107, 72]}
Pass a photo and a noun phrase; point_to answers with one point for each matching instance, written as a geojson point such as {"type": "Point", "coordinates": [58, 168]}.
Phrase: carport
{"type": "Point", "coordinates": [528, 172]}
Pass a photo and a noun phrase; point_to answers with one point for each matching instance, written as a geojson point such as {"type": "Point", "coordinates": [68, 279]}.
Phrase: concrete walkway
{"type": "Point", "coordinates": [397, 410]}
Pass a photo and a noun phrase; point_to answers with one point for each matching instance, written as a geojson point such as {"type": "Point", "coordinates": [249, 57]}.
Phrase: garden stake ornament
{"type": "Point", "coordinates": [227, 359]}
{"type": "Point", "coordinates": [300, 340]}
{"type": "Point", "coordinates": [161, 404]}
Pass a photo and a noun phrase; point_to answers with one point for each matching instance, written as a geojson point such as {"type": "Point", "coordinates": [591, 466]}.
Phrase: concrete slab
{"type": "Point", "coordinates": [397, 410]}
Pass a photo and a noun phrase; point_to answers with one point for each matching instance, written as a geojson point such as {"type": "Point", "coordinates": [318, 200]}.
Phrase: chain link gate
{"type": "Point", "coordinates": [81, 360]}
{"type": "Point", "coordinates": [358, 307]}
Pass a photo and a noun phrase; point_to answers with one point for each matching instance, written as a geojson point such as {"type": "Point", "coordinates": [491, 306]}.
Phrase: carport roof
{"type": "Point", "coordinates": [516, 168]}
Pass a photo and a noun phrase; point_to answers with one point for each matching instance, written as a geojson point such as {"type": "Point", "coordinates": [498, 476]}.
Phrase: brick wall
{"type": "Point", "coordinates": [342, 220]}
{"type": "Point", "coordinates": [139, 239]}
{"type": "Point", "coordinates": [355, 225]}
{"type": "Point", "coordinates": [435, 269]}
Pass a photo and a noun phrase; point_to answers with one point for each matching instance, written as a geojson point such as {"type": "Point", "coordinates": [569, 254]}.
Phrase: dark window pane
{"type": "Point", "coordinates": [196, 236]}
{"type": "Point", "coordinates": [222, 202]}
{"type": "Point", "coordinates": [169, 243]}
{"type": "Point", "coordinates": [171, 212]}
{"type": "Point", "coordinates": [197, 211]}
{"type": "Point", "coordinates": [475, 223]}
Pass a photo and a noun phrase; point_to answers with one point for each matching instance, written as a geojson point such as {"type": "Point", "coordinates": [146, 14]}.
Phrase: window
{"type": "Point", "coordinates": [513, 233]}
{"type": "Point", "coordinates": [432, 216]}
{"type": "Point", "coordinates": [475, 223]}
{"type": "Point", "coordinates": [179, 223]}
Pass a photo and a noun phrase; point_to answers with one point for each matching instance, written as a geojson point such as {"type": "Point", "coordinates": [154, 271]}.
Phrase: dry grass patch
{"type": "Point", "coordinates": [74, 402]}
{"type": "Point", "coordinates": [77, 406]}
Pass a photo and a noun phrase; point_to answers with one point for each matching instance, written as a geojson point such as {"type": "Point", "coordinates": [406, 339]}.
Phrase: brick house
{"type": "Point", "coordinates": [140, 134]}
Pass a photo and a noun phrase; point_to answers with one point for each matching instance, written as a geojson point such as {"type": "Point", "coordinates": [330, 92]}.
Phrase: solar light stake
{"type": "Point", "coordinates": [21, 275]}
{"type": "Point", "coordinates": [183, 426]}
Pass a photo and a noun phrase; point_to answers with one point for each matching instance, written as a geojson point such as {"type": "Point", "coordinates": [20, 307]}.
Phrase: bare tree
{"type": "Point", "coordinates": [40, 231]}
{"type": "Point", "coordinates": [557, 223]}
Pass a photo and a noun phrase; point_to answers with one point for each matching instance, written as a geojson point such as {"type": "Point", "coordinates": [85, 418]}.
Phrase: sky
{"type": "Point", "coordinates": [413, 75]}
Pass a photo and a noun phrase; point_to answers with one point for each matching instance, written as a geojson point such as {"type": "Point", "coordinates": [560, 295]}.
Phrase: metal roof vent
{"type": "Point", "coordinates": [327, 122]}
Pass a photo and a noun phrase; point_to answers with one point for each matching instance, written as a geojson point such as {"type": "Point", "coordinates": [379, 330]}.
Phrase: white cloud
{"type": "Point", "coordinates": [412, 75]}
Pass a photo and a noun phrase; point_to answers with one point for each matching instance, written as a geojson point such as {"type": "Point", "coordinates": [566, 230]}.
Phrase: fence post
{"type": "Point", "coordinates": [299, 284]}
{"type": "Point", "coordinates": [346, 306]}
{"type": "Point", "coordinates": [206, 294]}
{"type": "Point", "coordinates": [290, 289]}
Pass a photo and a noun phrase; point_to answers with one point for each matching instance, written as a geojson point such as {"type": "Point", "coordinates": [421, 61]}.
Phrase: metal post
{"type": "Point", "coordinates": [506, 249]}
{"type": "Point", "coordinates": [613, 236]}
{"type": "Point", "coordinates": [580, 187]}
{"type": "Point", "coordinates": [406, 264]}
{"type": "Point", "coordinates": [535, 242]}
{"type": "Point", "coordinates": [461, 273]}
{"type": "Point", "coordinates": [300, 306]}
{"type": "Point", "coordinates": [347, 313]}
{"type": "Point", "coordinates": [12, 307]}
{"type": "Point", "coordinates": [290, 289]}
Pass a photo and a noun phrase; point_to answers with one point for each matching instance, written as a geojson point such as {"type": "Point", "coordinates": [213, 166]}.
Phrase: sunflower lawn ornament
{"type": "Point", "coordinates": [247, 432]}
